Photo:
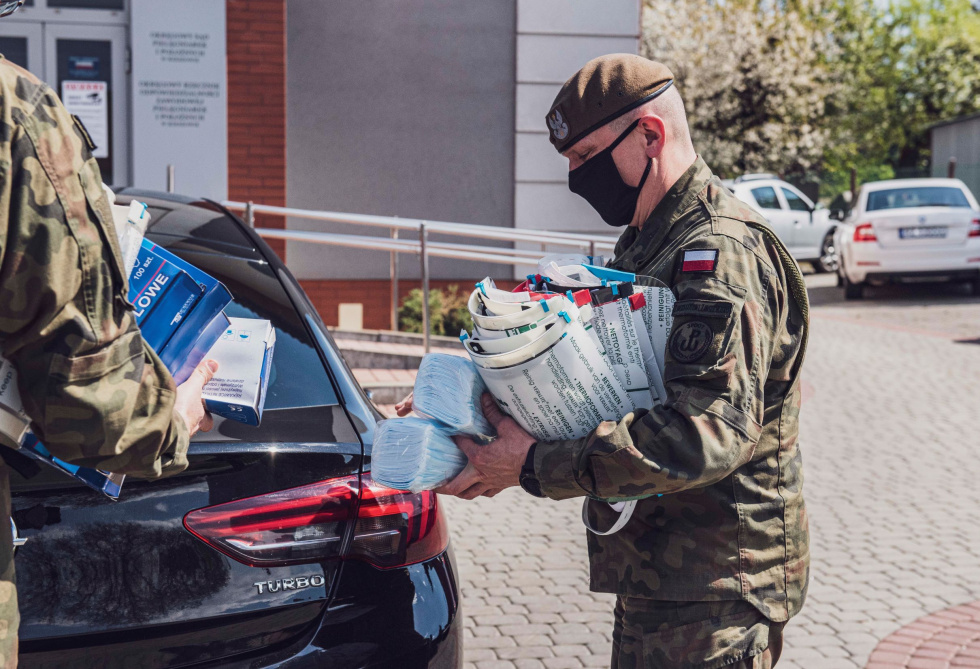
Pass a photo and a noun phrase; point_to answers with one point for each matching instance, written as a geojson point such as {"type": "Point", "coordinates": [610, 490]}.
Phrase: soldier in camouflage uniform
{"type": "Point", "coordinates": [97, 395]}
{"type": "Point", "coordinates": [708, 573]}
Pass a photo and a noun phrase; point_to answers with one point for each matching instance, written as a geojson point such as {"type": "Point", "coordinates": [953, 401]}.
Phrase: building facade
{"type": "Point", "coordinates": [958, 140]}
{"type": "Point", "coordinates": [429, 109]}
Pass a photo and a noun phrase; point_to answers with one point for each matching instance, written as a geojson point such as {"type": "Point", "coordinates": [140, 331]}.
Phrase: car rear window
{"type": "Point", "coordinates": [919, 196]}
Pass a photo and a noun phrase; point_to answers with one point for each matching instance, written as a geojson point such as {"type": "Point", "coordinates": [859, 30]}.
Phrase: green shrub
{"type": "Point", "coordinates": [410, 314]}
{"type": "Point", "coordinates": [447, 312]}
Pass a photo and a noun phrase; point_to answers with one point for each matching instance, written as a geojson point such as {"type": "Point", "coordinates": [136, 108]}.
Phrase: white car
{"type": "Point", "coordinates": [908, 230]}
{"type": "Point", "coordinates": [805, 228]}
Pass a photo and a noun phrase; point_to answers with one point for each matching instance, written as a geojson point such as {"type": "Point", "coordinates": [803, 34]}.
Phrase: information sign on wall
{"type": "Point", "coordinates": [180, 99]}
{"type": "Point", "coordinates": [89, 101]}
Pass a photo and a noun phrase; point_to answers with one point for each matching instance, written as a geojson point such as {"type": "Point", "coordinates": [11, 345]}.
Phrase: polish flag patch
{"type": "Point", "coordinates": [700, 261]}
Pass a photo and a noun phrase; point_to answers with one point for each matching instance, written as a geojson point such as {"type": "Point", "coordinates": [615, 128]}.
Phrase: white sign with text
{"type": "Point", "coordinates": [180, 97]}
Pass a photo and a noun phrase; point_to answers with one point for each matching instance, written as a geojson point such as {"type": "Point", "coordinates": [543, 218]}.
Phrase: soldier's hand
{"type": "Point", "coordinates": [404, 407]}
{"type": "Point", "coordinates": [492, 467]}
{"type": "Point", "coordinates": [189, 404]}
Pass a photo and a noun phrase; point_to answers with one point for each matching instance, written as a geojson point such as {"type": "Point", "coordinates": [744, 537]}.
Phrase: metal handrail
{"type": "Point", "coordinates": [423, 246]}
{"type": "Point", "coordinates": [458, 229]}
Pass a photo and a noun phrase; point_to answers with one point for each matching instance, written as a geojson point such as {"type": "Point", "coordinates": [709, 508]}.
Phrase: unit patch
{"type": "Point", "coordinates": [703, 308]}
{"type": "Point", "coordinates": [700, 260]}
{"type": "Point", "coordinates": [690, 341]}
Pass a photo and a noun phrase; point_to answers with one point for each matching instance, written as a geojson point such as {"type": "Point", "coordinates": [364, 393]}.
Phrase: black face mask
{"type": "Point", "coordinates": [599, 182]}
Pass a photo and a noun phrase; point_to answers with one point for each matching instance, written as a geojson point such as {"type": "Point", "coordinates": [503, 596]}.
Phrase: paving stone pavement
{"type": "Point", "coordinates": [892, 463]}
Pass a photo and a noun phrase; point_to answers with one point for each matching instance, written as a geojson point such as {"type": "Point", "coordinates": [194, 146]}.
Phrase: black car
{"type": "Point", "coordinates": [274, 548]}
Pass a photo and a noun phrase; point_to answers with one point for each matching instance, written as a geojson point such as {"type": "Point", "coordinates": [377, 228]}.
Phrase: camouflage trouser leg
{"type": "Point", "coordinates": [650, 634]}
{"type": "Point", "coordinates": [9, 617]}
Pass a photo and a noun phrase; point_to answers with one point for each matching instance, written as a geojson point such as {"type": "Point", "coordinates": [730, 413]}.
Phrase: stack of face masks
{"type": "Point", "coordinates": [414, 454]}
{"type": "Point", "coordinates": [448, 389]}
{"type": "Point", "coordinates": [418, 453]}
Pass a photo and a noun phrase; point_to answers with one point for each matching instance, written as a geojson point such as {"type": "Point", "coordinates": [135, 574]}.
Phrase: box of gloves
{"type": "Point", "coordinates": [179, 308]}
{"type": "Point", "coordinates": [244, 356]}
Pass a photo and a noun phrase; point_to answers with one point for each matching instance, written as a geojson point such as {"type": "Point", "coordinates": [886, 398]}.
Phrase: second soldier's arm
{"type": "Point", "coordinates": [96, 393]}
{"type": "Point", "coordinates": [718, 358]}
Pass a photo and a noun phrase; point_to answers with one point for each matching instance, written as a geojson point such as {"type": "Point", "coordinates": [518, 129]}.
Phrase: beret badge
{"type": "Point", "coordinates": [557, 124]}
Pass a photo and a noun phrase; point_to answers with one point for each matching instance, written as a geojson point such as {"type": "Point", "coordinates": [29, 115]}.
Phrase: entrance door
{"type": "Point", "coordinates": [86, 65]}
{"type": "Point", "coordinates": [22, 44]}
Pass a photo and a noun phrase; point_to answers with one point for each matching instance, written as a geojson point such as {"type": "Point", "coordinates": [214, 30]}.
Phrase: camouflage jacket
{"type": "Point", "coordinates": [723, 450]}
{"type": "Point", "coordinates": [97, 395]}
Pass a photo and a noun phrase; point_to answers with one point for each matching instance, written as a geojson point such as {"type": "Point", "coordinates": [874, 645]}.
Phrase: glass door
{"type": "Point", "coordinates": [21, 43]}
{"type": "Point", "coordinates": [86, 65]}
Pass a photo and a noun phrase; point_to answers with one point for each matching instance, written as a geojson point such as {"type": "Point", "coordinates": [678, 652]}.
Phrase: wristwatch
{"type": "Point", "coordinates": [528, 480]}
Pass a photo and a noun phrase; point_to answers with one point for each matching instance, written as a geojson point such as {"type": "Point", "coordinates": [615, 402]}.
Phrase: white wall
{"type": "Point", "coordinates": [554, 39]}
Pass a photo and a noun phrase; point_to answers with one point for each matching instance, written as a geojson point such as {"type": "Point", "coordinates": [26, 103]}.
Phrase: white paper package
{"type": "Point", "coordinates": [449, 389]}
{"type": "Point", "coordinates": [398, 462]}
{"type": "Point", "coordinates": [558, 386]}
{"type": "Point", "coordinates": [623, 340]}
{"type": "Point", "coordinates": [658, 319]}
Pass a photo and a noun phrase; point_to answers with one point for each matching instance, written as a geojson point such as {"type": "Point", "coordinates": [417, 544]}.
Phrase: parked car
{"type": "Point", "coordinates": [910, 230]}
{"type": "Point", "coordinates": [805, 228]}
{"type": "Point", "coordinates": [274, 548]}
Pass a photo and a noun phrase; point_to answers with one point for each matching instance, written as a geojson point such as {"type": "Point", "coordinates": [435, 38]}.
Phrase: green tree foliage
{"type": "Point", "coordinates": [803, 86]}
{"type": "Point", "coordinates": [447, 312]}
{"type": "Point", "coordinates": [752, 78]}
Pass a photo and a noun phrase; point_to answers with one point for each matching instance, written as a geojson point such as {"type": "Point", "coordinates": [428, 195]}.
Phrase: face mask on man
{"type": "Point", "coordinates": [599, 182]}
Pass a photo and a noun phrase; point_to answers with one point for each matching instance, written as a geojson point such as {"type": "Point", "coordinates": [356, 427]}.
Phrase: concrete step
{"type": "Point", "coordinates": [368, 354]}
{"type": "Point", "coordinates": [386, 386]}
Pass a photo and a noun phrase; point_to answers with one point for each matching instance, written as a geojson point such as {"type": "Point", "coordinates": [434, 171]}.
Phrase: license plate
{"type": "Point", "coordinates": [931, 232]}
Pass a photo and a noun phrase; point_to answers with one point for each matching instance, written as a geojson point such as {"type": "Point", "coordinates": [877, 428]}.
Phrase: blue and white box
{"type": "Point", "coordinates": [162, 294]}
{"type": "Point", "coordinates": [190, 327]}
{"type": "Point", "coordinates": [244, 356]}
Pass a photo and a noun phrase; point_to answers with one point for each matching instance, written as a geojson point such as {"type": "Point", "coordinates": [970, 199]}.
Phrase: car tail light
{"type": "Point", "coordinates": [392, 528]}
{"type": "Point", "coordinates": [975, 228]}
{"type": "Point", "coordinates": [865, 233]}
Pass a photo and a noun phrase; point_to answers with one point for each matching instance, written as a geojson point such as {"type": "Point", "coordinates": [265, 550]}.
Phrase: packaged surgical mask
{"type": "Point", "coordinates": [449, 389]}
{"type": "Point", "coordinates": [414, 454]}
{"type": "Point", "coordinates": [244, 356]}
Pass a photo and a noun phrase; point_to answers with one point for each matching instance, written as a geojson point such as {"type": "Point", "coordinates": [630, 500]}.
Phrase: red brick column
{"type": "Point", "coordinates": [256, 35]}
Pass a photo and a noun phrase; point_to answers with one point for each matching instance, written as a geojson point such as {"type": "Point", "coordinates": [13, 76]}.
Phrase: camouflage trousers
{"type": "Point", "coordinates": [651, 634]}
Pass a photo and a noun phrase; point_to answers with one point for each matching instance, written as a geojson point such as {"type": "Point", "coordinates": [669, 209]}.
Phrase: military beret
{"type": "Point", "coordinates": [605, 89]}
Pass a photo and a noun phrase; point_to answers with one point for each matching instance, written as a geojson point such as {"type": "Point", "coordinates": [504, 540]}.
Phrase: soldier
{"type": "Point", "coordinates": [97, 395]}
{"type": "Point", "coordinates": [708, 573]}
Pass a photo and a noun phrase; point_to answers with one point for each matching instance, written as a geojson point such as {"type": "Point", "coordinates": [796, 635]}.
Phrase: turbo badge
{"type": "Point", "coordinates": [690, 341]}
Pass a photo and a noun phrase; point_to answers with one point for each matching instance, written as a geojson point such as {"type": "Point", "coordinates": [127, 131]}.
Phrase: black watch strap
{"type": "Point", "coordinates": [529, 481]}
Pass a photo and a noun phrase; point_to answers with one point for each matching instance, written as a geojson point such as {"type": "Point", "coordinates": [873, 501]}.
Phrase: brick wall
{"type": "Point", "coordinates": [375, 295]}
{"type": "Point", "coordinates": [257, 106]}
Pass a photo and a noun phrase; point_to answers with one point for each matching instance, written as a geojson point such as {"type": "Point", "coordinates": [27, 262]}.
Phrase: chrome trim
{"type": "Point", "coordinates": [241, 545]}
{"type": "Point", "coordinates": [18, 541]}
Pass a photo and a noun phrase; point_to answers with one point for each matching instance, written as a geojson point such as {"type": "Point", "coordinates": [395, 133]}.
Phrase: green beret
{"type": "Point", "coordinates": [606, 88]}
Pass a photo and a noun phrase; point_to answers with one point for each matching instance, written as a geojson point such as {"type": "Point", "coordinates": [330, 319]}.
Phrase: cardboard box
{"type": "Point", "coordinates": [191, 328]}
{"type": "Point", "coordinates": [244, 355]}
{"type": "Point", "coordinates": [162, 294]}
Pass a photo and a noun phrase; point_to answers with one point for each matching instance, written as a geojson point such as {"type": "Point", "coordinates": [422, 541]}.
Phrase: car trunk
{"type": "Point", "coordinates": [918, 227]}
{"type": "Point", "coordinates": [126, 584]}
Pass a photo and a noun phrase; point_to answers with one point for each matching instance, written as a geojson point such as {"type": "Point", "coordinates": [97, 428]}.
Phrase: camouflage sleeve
{"type": "Point", "coordinates": [96, 393]}
{"type": "Point", "coordinates": [717, 358]}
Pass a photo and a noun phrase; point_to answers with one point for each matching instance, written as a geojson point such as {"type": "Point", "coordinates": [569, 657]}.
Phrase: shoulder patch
{"type": "Point", "coordinates": [690, 341]}
{"type": "Point", "coordinates": [700, 260]}
{"type": "Point", "coordinates": [84, 132]}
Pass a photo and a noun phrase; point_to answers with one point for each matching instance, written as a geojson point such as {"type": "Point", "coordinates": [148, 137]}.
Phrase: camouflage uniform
{"type": "Point", "coordinates": [97, 394]}
{"type": "Point", "coordinates": [708, 572]}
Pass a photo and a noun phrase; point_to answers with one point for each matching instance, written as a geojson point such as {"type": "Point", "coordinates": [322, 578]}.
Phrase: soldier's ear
{"type": "Point", "coordinates": [654, 133]}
